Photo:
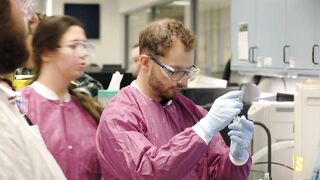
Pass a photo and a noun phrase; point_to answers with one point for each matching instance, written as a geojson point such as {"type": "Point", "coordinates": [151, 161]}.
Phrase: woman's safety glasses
{"type": "Point", "coordinates": [82, 49]}
{"type": "Point", "coordinates": [177, 75]}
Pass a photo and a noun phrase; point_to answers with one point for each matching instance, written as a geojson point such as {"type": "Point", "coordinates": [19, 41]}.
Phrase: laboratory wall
{"type": "Point", "coordinates": [109, 47]}
{"type": "Point", "coordinates": [126, 6]}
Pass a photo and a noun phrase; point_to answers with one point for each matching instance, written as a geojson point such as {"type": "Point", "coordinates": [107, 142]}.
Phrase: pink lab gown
{"type": "Point", "coordinates": [69, 133]}
{"type": "Point", "coordinates": [138, 138]}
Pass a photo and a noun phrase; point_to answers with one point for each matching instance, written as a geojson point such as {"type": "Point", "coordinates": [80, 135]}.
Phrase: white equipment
{"type": "Point", "coordinates": [279, 119]}
{"type": "Point", "coordinates": [307, 128]}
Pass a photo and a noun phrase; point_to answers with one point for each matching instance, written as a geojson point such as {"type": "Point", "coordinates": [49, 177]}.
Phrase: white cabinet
{"type": "Point", "coordinates": [284, 37]}
{"type": "Point", "coordinates": [270, 35]}
{"type": "Point", "coordinates": [262, 49]}
{"type": "Point", "coordinates": [243, 33]}
{"type": "Point", "coordinates": [299, 34]}
{"type": "Point", "coordinates": [316, 45]}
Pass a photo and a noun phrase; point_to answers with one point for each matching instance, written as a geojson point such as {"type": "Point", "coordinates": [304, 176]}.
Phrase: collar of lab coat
{"type": "Point", "coordinates": [9, 92]}
{"type": "Point", "coordinates": [48, 93]}
{"type": "Point", "coordinates": [135, 85]}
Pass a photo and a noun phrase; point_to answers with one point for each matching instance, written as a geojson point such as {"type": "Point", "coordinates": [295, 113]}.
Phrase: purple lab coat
{"type": "Point", "coordinates": [69, 133]}
{"type": "Point", "coordinates": [138, 138]}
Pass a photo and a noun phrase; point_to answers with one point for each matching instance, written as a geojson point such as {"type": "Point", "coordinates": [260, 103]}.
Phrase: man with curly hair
{"type": "Point", "coordinates": [150, 131]}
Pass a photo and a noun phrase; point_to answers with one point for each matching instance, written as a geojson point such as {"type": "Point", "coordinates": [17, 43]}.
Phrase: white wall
{"type": "Point", "coordinates": [109, 48]}
{"type": "Point", "coordinates": [126, 6]}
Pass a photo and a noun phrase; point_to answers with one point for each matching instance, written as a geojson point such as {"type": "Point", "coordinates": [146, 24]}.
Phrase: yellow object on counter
{"type": "Point", "coordinates": [21, 81]}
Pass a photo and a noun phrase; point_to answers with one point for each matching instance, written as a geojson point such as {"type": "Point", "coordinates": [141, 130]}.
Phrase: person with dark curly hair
{"type": "Point", "coordinates": [23, 155]}
{"type": "Point", "coordinates": [150, 131]}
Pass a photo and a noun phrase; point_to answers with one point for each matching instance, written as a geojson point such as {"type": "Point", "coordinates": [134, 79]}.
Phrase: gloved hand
{"type": "Point", "coordinates": [221, 113]}
{"type": "Point", "coordinates": [241, 136]}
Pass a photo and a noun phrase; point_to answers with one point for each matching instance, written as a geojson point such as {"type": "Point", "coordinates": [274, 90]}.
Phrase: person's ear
{"type": "Point", "coordinates": [46, 56]}
{"type": "Point", "coordinates": [144, 61]}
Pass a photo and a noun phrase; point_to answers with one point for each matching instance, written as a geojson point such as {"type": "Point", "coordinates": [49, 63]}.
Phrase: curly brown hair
{"type": "Point", "coordinates": [157, 37]}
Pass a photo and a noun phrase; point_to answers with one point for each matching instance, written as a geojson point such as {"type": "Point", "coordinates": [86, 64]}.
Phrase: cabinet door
{"type": "Point", "coordinates": [316, 47]}
{"type": "Point", "coordinates": [300, 34]}
{"type": "Point", "coordinates": [242, 33]}
{"type": "Point", "coordinates": [270, 33]}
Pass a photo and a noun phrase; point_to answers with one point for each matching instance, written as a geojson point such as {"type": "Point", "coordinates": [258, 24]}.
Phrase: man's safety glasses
{"type": "Point", "coordinates": [177, 75]}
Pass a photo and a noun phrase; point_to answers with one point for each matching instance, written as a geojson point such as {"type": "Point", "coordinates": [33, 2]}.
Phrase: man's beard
{"type": "Point", "coordinates": [13, 51]}
{"type": "Point", "coordinates": [156, 85]}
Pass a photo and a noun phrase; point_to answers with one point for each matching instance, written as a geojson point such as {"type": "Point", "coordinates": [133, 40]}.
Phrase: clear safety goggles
{"type": "Point", "coordinates": [28, 7]}
{"type": "Point", "coordinates": [177, 75]}
{"type": "Point", "coordinates": [82, 49]}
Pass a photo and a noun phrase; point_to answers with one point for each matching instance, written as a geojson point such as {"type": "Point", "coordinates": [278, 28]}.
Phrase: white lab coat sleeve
{"type": "Point", "coordinates": [22, 154]}
{"type": "Point", "coordinates": [13, 158]}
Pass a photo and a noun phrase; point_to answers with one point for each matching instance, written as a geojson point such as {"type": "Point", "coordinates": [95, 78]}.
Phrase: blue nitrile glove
{"type": "Point", "coordinates": [241, 135]}
{"type": "Point", "coordinates": [221, 113]}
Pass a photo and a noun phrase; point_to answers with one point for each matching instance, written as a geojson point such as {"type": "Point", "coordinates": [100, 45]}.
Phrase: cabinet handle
{"type": "Point", "coordinates": [284, 54]}
{"type": "Point", "coordinates": [313, 49]}
{"type": "Point", "coordinates": [249, 54]}
{"type": "Point", "coordinates": [252, 54]}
